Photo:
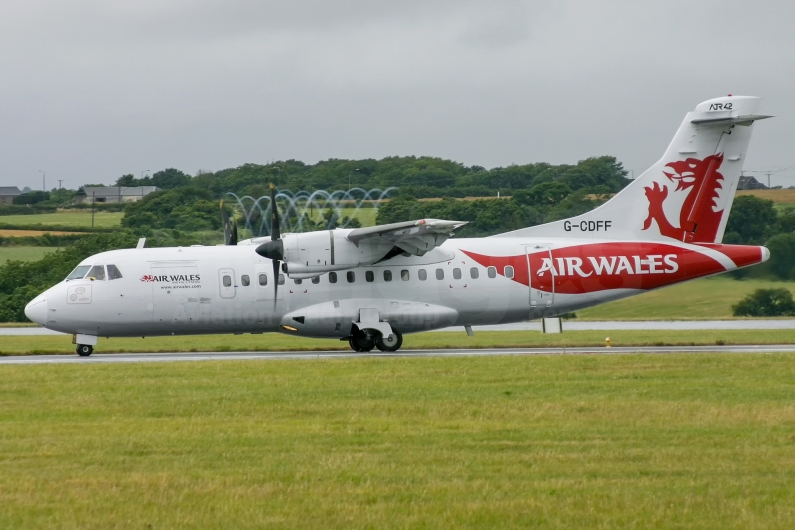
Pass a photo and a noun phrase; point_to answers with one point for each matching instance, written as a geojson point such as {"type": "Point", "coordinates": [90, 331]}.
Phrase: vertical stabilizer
{"type": "Point", "coordinates": [687, 195]}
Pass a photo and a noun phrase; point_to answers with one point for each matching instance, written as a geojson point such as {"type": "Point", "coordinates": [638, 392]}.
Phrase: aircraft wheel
{"type": "Point", "coordinates": [362, 342]}
{"type": "Point", "coordinates": [391, 343]}
{"type": "Point", "coordinates": [84, 350]}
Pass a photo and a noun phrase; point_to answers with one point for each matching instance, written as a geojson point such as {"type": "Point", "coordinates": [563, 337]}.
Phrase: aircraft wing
{"type": "Point", "coordinates": [412, 237]}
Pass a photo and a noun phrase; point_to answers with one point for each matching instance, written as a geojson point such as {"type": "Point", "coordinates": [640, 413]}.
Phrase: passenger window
{"type": "Point", "coordinates": [298, 281]}
{"type": "Point", "coordinates": [245, 280]}
{"type": "Point", "coordinates": [263, 279]}
{"type": "Point", "coordinates": [440, 274]}
{"type": "Point", "coordinates": [351, 276]}
{"type": "Point", "coordinates": [97, 272]}
{"type": "Point", "coordinates": [422, 275]}
{"type": "Point", "coordinates": [474, 273]}
{"type": "Point", "coordinates": [492, 272]}
{"type": "Point", "coordinates": [508, 272]}
{"type": "Point", "coordinates": [457, 273]}
{"type": "Point", "coordinates": [369, 276]}
{"type": "Point", "coordinates": [227, 281]}
{"type": "Point", "coordinates": [281, 279]}
{"type": "Point", "coordinates": [404, 275]}
{"type": "Point", "coordinates": [79, 272]}
{"type": "Point", "coordinates": [113, 272]}
{"type": "Point", "coordinates": [316, 280]}
{"type": "Point", "coordinates": [332, 277]}
{"type": "Point", "coordinates": [387, 276]}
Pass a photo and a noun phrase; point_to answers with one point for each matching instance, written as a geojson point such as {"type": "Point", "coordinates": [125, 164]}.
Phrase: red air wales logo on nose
{"type": "Point", "coordinates": [626, 265]}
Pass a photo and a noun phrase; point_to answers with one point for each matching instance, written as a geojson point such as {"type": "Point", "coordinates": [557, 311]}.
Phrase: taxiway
{"type": "Point", "coordinates": [306, 355]}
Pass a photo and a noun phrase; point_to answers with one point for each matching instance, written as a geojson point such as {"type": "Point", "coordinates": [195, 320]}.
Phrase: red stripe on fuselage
{"type": "Point", "coordinates": [621, 265]}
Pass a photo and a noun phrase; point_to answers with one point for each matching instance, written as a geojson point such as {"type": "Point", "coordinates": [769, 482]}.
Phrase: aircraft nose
{"type": "Point", "coordinates": [36, 310]}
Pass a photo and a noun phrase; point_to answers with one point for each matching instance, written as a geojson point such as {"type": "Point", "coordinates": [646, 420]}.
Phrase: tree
{"type": "Point", "coordinates": [32, 197]}
{"type": "Point", "coordinates": [752, 219]}
{"type": "Point", "coordinates": [549, 193]}
{"type": "Point", "coordinates": [186, 208]}
{"type": "Point", "coordinates": [127, 181]}
{"type": "Point", "coordinates": [169, 178]}
{"type": "Point", "coordinates": [782, 256]}
{"type": "Point", "coordinates": [766, 303]}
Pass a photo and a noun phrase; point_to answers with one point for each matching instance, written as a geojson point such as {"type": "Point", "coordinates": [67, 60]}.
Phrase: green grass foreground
{"type": "Point", "coordinates": [665, 441]}
{"type": "Point", "coordinates": [48, 344]}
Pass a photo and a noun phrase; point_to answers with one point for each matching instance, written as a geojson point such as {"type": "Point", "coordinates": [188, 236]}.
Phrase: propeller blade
{"type": "Point", "coordinates": [275, 234]}
{"type": "Point", "coordinates": [227, 228]}
{"type": "Point", "coordinates": [273, 249]}
{"type": "Point", "coordinates": [275, 281]}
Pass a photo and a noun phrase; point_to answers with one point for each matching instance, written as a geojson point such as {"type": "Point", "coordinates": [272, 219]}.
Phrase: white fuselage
{"type": "Point", "coordinates": [230, 289]}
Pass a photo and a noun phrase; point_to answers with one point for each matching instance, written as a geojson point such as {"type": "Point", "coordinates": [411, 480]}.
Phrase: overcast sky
{"type": "Point", "coordinates": [92, 90]}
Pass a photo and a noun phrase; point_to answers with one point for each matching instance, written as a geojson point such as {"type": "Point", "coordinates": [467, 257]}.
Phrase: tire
{"type": "Point", "coordinates": [362, 342]}
{"type": "Point", "coordinates": [84, 350]}
{"type": "Point", "coordinates": [390, 344]}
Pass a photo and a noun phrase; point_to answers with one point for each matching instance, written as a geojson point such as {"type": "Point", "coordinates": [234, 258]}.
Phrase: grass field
{"type": "Point", "coordinates": [777, 196]}
{"type": "Point", "coordinates": [710, 298]}
{"type": "Point", "coordinates": [71, 219]}
{"type": "Point", "coordinates": [662, 441]}
{"type": "Point", "coordinates": [24, 253]}
{"type": "Point", "coordinates": [32, 233]}
{"type": "Point", "coordinates": [16, 345]}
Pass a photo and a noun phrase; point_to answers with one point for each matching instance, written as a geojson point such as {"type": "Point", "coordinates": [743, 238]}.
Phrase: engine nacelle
{"type": "Point", "coordinates": [311, 253]}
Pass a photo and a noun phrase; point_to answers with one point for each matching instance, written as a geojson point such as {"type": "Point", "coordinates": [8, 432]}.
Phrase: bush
{"type": "Point", "coordinates": [766, 303]}
{"type": "Point", "coordinates": [782, 256]}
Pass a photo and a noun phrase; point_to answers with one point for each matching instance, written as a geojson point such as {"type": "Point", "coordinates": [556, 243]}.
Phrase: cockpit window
{"type": "Point", "coordinates": [97, 272]}
{"type": "Point", "coordinates": [79, 272]}
{"type": "Point", "coordinates": [113, 272]}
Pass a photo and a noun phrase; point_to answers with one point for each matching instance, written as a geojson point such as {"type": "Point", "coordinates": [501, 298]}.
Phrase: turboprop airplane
{"type": "Point", "coordinates": [370, 286]}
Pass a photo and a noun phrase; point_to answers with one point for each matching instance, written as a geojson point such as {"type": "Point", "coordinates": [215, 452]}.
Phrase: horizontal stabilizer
{"type": "Point", "coordinates": [745, 119]}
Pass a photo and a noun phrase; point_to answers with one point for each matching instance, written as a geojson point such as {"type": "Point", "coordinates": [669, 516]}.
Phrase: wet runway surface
{"type": "Point", "coordinates": [239, 356]}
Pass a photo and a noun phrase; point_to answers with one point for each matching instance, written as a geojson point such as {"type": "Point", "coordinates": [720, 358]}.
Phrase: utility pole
{"type": "Point", "coordinates": [60, 187]}
{"type": "Point", "coordinates": [768, 180]}
{"type": "Point", "coordinates": [43, 180]}
{"type": "Point", "coordinates": [93, 199]}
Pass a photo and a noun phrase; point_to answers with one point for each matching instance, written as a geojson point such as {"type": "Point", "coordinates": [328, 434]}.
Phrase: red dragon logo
{"type": "Point", "coordinates": [698, 222]}
{"type": "Point", "coordinates": [147, 278]}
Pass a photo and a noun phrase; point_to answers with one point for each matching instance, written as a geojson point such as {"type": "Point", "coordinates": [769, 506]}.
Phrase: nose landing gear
{"type": "Point", "coordinates": [84, 350]}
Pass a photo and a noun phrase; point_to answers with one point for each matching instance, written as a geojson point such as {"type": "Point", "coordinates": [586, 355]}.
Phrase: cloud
{"type": "Point", "coordinates": [91, 90]}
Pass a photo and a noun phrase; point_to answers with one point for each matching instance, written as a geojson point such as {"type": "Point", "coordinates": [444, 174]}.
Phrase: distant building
{"type": "Point", "coordinates": [7, 194]}
{"type": "Point", "coordinates": [750, 183]}
{"type": "Point", "coordinates": [117, 194]}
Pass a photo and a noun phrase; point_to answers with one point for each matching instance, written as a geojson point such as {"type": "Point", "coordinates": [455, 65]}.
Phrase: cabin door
{"type": "Point", "coordinates": [541, 282]}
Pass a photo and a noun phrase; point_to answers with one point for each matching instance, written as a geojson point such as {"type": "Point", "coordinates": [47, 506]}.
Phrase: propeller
{"type": "Point", "coordinates": [273, 249]}
{"type": "Point", "coordinates": [230, 230]}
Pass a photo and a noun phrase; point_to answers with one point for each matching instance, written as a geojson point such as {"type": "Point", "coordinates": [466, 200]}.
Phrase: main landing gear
{"type": "Point", "coordinates": [366, 340]}
{"type": "Point", "coordinates": [84, 350]}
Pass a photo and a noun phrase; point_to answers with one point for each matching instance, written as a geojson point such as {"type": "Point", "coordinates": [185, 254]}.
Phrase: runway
{"type": "Point", "coordinates": [568, 325]}
{"type": "Point", "coordinates": [309, 355]}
